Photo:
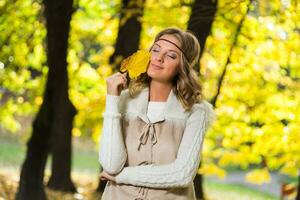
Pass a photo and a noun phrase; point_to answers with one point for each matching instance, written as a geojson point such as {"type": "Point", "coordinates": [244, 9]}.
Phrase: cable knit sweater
{"type": "Point", "coordinates": [156, 170]}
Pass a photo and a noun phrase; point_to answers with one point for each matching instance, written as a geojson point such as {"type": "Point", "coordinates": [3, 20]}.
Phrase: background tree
{"type": "Point", "coordinates": [201, 20]}
{"type": "Point", "coordinates": [58, 18]}
{"type": "Point", "coordinates": [257, 94]}
{"type": "Point", "coordinates": [56, 112]}
{"type": "Point", "coordinates": [200, 23]}
{"type": "Point", "coordinates": [129, 30]}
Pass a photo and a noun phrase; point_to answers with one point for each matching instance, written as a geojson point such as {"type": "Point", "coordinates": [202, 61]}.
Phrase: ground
{"type": "Point", "coordinates": [86, 167]}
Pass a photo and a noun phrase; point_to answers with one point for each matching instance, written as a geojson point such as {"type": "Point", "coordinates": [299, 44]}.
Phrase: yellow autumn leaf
{"type": "Point", "coordinates": [136, 64]}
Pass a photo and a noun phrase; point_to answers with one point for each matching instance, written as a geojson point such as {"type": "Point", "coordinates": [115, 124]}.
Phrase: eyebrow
{"type": "Point", "coordinates": [169, 49]}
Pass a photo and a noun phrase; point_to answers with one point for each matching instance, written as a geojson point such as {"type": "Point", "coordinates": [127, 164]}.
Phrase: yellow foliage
{"type": "Point", "coordinates": [290, 168]}
{"type": "Point", "coordinates": [10, 124]}
{"type": "Point", "coordinates": [76, 132]}
{"type": "Point", "coordinates": [87, 72]}
{"type": "Point", "coordinates": [104, 70]}
{"type": "Point", "coordinates": [258, 176]}
{"type": "Point", "coordinates": [136, 64]}
{"type": "Point", "coordinates": [239, 158]}
{"type": "Point", "coordinates": [258, 102]}
{"type": "Point", "coordinates": [95, 134]}
{"type": "Point", "coordinates": [212, 169]}
{"type": "Point", "coordinates": [38, 100]}
{"type": "Point", "coordinates": [20, 99]}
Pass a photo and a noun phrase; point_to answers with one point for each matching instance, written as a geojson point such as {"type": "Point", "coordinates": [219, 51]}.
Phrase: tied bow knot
{"type": "Point", "coordinates": [148, 131]}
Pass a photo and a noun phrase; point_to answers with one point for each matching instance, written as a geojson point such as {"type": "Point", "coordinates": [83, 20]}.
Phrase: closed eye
{"type": "Point", "coordinates": [155, 48]}
{"type": "Point", "coordinates": [172, 56]}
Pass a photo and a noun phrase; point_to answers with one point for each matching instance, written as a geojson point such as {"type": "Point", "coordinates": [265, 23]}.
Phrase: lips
{"type": "Point", "coordinates": [154, 66]}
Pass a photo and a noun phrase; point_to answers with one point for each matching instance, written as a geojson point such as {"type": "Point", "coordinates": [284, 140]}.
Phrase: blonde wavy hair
{"type": "Point", "coordinates": [186, 84]}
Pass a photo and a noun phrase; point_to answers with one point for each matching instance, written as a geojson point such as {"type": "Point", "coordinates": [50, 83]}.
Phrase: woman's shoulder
{"type": "Point", "coordinates": [127, 101]}
{"type": "Point", "coordinates": [206, 109]}
{"type": "Point", "coordinates": [204, 105]}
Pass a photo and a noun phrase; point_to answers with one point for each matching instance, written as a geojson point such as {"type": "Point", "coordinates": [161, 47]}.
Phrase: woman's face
{"type": "Point", "coordinates": [165, 59]}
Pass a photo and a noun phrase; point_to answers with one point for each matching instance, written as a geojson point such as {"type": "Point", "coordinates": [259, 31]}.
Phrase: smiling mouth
{"type": "Point", "coordinates": [156, 66]}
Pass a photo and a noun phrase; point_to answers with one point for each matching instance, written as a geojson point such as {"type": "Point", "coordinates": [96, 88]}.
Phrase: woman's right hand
{"type": "Point", "coordinates": [116, 83]}
{"type": "Point", "coordinates": [106, 176]}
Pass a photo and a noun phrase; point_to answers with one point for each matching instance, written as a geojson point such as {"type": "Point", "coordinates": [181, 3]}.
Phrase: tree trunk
{"type": "Point", "coordinates": [52, 111]}
{"type": "Point", "coordinates": [129, 31]}
{"type": "Point", "coordinates": [200, 23]}
{"type": "Point", "coordinates": [32, 172]}
{"type": "Point", "coordinates": [198, 184]}
{"type": "Point", "coordinates": [61, 149]}
{"type": "Point", "coordinates": [58, 15]}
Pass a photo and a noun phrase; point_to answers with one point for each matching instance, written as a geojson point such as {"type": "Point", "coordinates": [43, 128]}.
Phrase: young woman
{"type": "Point", "coordinates": [153, 132]}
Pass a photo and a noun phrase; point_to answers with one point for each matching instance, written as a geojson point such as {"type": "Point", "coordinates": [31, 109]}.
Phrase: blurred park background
{"type": "Point", "coordinates": [56, 54]}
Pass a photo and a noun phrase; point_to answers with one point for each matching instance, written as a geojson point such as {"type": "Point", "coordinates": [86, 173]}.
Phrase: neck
{"type": "Point", "coordinates": [159, 91]}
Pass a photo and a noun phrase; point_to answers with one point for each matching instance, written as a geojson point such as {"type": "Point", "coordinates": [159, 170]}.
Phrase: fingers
{"type": "Point", "coordinates": [116, 83]}
{"type": "Point", "coordinates": [124, 75]}
{"type": "Point", "coordinates": [124, 78]}
{"type": "Point", "coordinates": [102, 176]}
{"type": "Point", "coordinates": [117, 78]}
{"type": "Point", "coordinates": [106, 176]}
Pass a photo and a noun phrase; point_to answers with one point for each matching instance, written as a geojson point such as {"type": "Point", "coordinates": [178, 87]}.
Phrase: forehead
{"type": "Point", "coordinates": [168, 45]}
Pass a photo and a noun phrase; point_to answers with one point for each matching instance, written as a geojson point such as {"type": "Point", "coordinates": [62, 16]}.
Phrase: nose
{"type": "Point", "coordinates": [159, 56]}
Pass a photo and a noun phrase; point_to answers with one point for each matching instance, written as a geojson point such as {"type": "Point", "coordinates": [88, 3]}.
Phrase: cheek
{"type": "Point", "coordinates": [173, 69]}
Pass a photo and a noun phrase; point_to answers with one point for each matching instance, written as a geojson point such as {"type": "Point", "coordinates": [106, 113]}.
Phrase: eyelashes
{"type": "Point", "coordinates": [170, 55]}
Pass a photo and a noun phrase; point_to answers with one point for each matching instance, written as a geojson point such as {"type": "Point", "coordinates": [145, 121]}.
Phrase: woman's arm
{"type": "Point", "coordinates": [182, 171]}
{"type": "Point", "coordinates": [112, 153]}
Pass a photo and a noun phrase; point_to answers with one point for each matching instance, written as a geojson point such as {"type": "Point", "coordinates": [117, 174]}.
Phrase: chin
{"type": "Point", "coordinates": [149, 73]}
{"type": "Point", "coordinates": [152, 74]}
{"type": "Point", "coordinates": [157, 77]}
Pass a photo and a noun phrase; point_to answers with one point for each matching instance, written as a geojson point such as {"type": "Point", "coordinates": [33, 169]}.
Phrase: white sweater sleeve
{"type": "Point", "coordinates": [182, 171]}
{"type": "Point", "coordinates": [112, 152]}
